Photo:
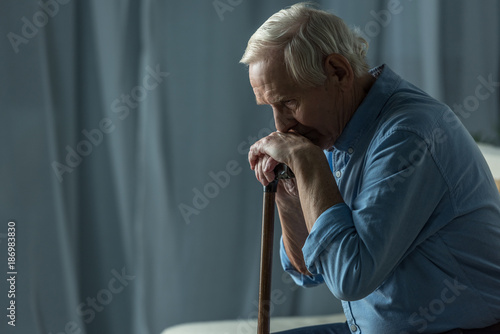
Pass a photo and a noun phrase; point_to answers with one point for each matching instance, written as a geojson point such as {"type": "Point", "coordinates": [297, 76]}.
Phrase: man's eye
{"type": "Point", "coordinates": [289, 103]}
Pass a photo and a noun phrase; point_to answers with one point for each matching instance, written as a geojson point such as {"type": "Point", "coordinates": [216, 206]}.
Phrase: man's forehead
{"type": "Point", "coordinates": [269, 81]}
{"type": "Point", "coordinates": [269, 67]}
{"type": "Point", "coordinates": [269, 93]}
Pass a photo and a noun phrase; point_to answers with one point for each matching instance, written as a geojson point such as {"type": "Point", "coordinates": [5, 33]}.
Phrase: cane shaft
{"type": "Point", "coordinates": [266, 261]}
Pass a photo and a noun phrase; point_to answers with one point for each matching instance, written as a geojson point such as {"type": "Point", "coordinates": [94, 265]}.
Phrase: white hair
{"type": "Point", "coordinates": [306, 36]}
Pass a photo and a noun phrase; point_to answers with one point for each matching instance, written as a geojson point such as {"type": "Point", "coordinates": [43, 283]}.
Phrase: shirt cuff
{"type": "Point", "coordinates": [298, 278]}
{"type": "Point", "coordinates": [328, 225]}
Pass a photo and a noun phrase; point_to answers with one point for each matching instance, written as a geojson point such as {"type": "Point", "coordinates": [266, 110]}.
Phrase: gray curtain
{"type": "Point", "coordinates": [124, 131]}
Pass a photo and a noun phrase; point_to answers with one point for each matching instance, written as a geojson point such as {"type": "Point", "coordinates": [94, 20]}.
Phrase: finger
{"type": "Point", "coordinates": [254, 155]}
{"type": "Point", "coordinates": [268, 173]}
{"type": "Point", "coordinates": [258, 149]}
{"type": "Point", "coordinates": [251, 159]}
{"type": "Point", "coordinates": [259, 172]}
{"type": "Point", "coordinates": [270, 165]}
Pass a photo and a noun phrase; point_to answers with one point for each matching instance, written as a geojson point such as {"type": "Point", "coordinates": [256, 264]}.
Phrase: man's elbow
{"type": "Point", "coordinates": [350, 289]}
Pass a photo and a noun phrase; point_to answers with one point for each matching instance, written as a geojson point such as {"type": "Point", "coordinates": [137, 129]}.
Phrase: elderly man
{"type": "Point", "coordinates": [393, 205]}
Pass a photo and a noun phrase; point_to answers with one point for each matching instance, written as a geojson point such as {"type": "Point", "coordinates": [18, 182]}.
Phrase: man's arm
{"type": "Point", "coordinates": [302, 200]}
{"type": "Point", "coordinates": [293, 225]}
{"type": "Point", "coordinates": [356, 248]}
{"type": "Point", "coordinates": [316, 186]}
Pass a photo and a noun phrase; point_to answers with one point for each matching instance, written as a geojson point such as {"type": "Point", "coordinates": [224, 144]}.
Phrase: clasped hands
{"type": "Point", "coordinates": [300, 201]}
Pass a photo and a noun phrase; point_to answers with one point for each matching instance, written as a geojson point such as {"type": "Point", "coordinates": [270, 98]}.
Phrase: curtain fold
{"type": "Point", "coordinates": [125, 127]}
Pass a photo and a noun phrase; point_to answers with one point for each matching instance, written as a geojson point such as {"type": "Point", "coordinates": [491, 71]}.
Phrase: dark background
{"type": "Point", "coordinates": [102, 244]}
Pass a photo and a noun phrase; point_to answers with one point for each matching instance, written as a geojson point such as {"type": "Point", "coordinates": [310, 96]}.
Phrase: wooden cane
{"type": "Point", "coordinates": [266, 249]}
{"type": "Point", "coordinates": [266, 258]}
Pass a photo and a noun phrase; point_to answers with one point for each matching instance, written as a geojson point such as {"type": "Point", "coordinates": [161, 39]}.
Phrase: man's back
{"type": "Point", "coordinates": [426, 213]}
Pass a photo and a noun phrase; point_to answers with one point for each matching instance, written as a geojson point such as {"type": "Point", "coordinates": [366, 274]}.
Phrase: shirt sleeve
{"type": "Point", "coordinates": [298, 278]}
{"type": "Point", "coordinates": [356, 248]}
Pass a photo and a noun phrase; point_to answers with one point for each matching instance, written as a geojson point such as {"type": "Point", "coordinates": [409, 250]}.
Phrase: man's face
{"type": "Point", "coordinates": [312, 112]}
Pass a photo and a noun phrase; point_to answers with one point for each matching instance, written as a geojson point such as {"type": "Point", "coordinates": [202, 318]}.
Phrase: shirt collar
{"type": "Point", "coordinates": [369, 109]}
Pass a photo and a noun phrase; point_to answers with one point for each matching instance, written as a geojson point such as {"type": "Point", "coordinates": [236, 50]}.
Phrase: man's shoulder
{"type": "Point", "coordinates": [412, 110]}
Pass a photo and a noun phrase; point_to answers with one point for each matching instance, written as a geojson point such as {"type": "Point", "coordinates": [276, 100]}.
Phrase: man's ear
{"type": "Point", "coordinates": [339, 70]}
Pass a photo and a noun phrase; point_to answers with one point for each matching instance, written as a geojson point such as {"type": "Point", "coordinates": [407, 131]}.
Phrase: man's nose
{"type": "Point", "coordinates": [282, 121]}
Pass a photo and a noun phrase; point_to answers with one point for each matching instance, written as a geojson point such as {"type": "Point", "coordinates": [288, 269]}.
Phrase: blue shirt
{"type": "Point", "coordinates": [416, 245]}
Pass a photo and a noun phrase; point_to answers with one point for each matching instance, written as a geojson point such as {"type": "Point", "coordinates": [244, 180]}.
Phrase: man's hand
{"type": "Point", "coordinates": [300, 201]}
{"type": "Point", "coordinates": [276, 148]}
{"type": "Point", "coordinates": [316, 186]}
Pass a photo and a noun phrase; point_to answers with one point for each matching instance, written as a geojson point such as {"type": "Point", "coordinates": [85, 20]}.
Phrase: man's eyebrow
{"type": "Point", "coordinates": [273, 100]}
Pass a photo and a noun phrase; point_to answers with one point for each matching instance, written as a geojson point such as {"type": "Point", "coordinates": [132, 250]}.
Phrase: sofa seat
{"type": "Point", "coordinates": [249, 326]}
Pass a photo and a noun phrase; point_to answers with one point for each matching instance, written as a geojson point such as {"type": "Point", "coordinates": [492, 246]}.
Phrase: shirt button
{"type": "Point", "coordinates": [350, 150]}
{"type": "Point", "coordinates": [338, 174]}
{"type": "Point", "coordinates": [354, 328]}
